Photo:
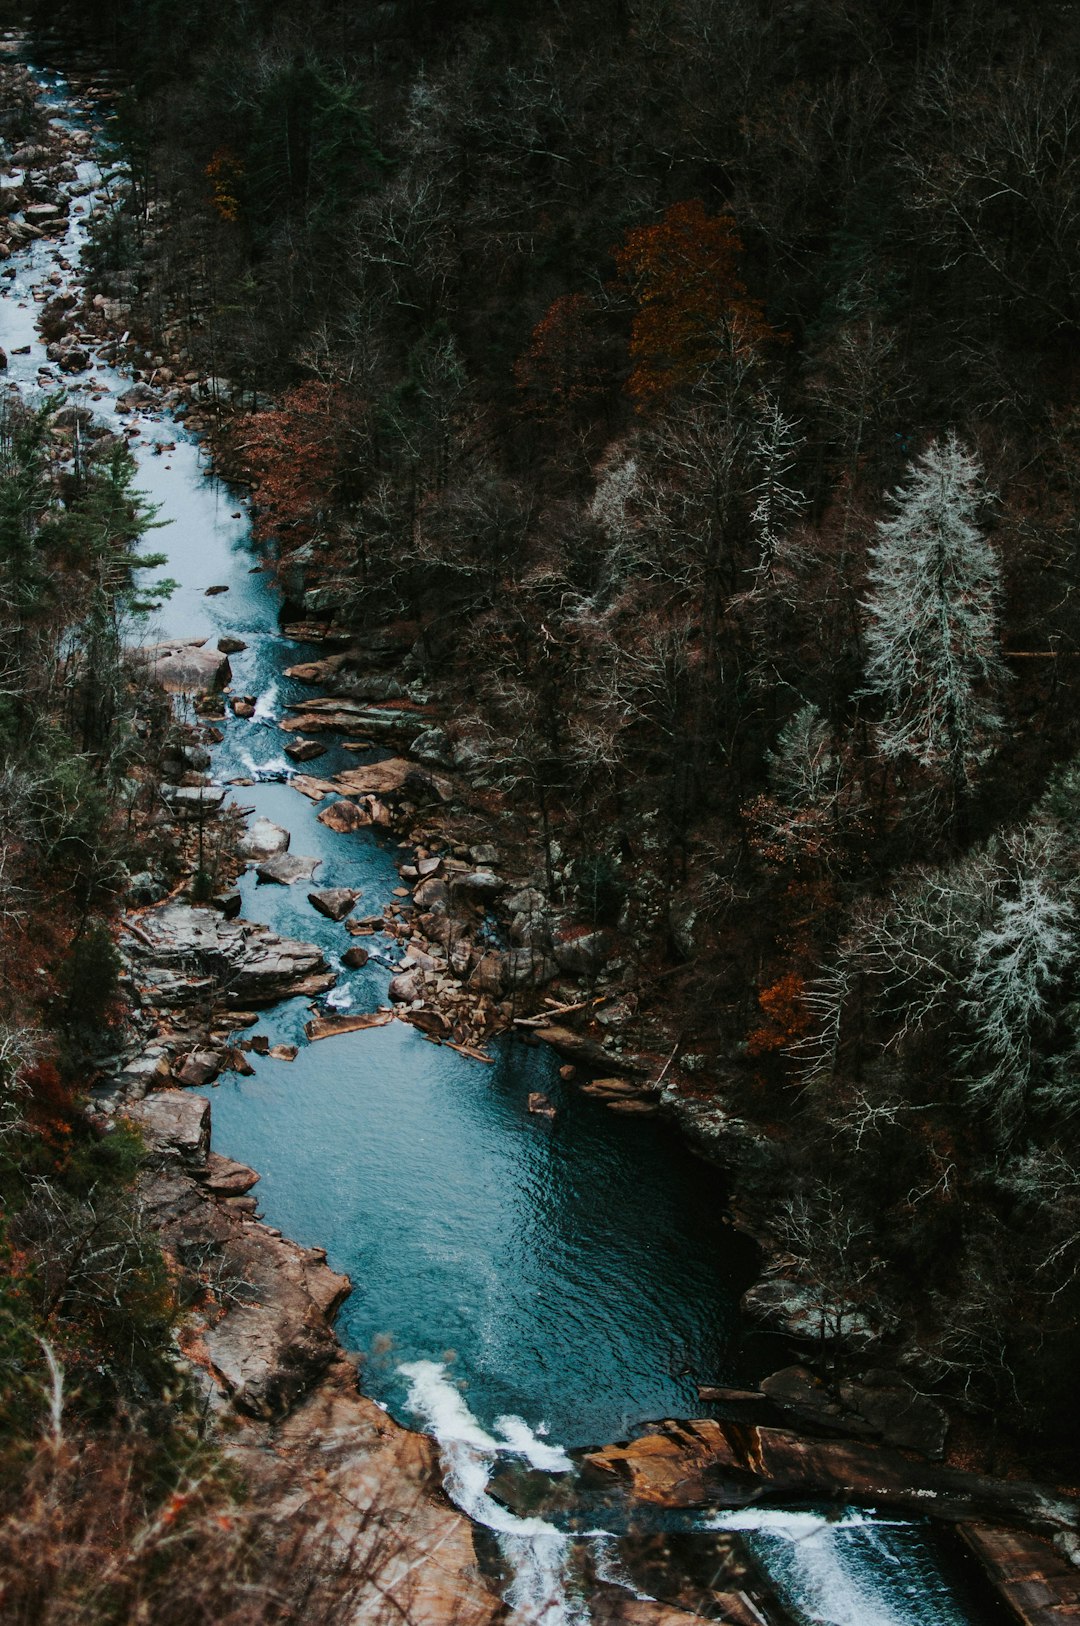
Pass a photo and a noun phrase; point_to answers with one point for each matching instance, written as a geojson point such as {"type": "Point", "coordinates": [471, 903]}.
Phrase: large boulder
{"type": "Point", "coordinates": [287, 868]}
{"type": "Point", "coordinates": [185, 667]}
{"type": "Point", "coordinates": [335, 902]}
{"type": "Point", "coordinates": [186, 955]}
{"type": "Point", "coordinates": [582, 953]}
{"type": "Point", "coordinates": [801, 1309]}
{"type": "Point", "coordinates": [174, 1125]}
{"type": "Point", "coordinates": [261, 840]}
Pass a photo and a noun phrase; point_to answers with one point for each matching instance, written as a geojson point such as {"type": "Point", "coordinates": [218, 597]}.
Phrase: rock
{"type": "Point", "coordinates": [212, 592]}
{"type": "Point", "coordinates": [902, 1418]}
{"type": "Point", "coordinates": [685, 927]}
{"type": "Point", "coordinates": [142, 1075]}
{"type": "Point", "coordinates": [235, 1061]}
{"type": "Point", "coordinates": [261, 840]}
{"type": "Point", "coordinates": [426, 867]}
{"type": "Point", "coordinates": [266, 1338]}
{"type": "Point", "coordinates": [485, 855]}
{"type": "Point", "coordinates": [338, 1452]}
{"type": "Point", "coordinates": [187, 954]}
{"type": "Point", "coordinates": [230, 904]}
{"type": "Point", "coordinates": [480, 884]}
{"type": "Point", "coordinates": [228, 645]}
{"type": "Point", "coordinates": [487, 974]}
{"type": "Point", "coordinates": [800, 1310]}
{"type": "Point", "coordinates": [3, 360]}
{"type": "Point", "coordinates": [187, 667]}
{"type": "Point", "coordinates": [243, 706]}
{"type": "Point", "coordinates": [335, 902]}
{"type": "Point", "coordinates": [461, 953]}
{"type": "Point", "coordinates": [539, 1105]}
{"type": "Point", "coordinates": [195, 757]}
{"type": "Point", "coordinates": [405, 987]}
{"type": "Point", "coordinates": [174, 1125]}
{"type": "Point", "coordinates": [199, 1067]}
{"type": "Point", "coordinates": [284, 1052]}
{"type": "Point", "coordinates": [193, 801]}
{"type": "Point", "coordinates": [304, 750]}
{"type": "Point", "coordinates": [582, 954]}
{"type": "Point", "coordinates": [354, 959]}
{"type": "Point", "coordinates": [227, 1179]}
{"type": "Point", "coordinates": [144, 889]}
{"type": "Point", "coordinates": [432, 895]}
{"type": "Point", "coordinates": [345, 817]}
{"type": "Point", "coordinates": [433, 746]}
{"type": "Point", "coordinates": [1037, 1585]}
{"type": "Point", "coordinates": [578, 1047]}
{"type": "Point", "coordinates": [287, 868]}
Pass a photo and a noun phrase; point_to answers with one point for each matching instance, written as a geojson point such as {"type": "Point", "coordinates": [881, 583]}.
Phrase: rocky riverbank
{"type": "Point", "coordinates": [260, 1332]}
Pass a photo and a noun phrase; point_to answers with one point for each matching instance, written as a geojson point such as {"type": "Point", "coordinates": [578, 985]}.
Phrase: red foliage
{"type": "Point", "coordinates": [225, 172]}
{"type": "Point", "coordinates": [691, 303]}
{"type": "Point", "coordinates": [783, 1005]}
{"type": "Point", "coordinates": [294, 457]}
{"type": "Point", "coordinates": [563, 366]}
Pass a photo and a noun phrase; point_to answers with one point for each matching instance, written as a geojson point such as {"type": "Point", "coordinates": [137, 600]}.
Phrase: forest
{"type": "Point", "coordinates": [696, 383]}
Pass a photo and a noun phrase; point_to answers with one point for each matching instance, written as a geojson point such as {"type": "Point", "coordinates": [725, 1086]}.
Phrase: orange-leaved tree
{"type": "Point", "coordinates": [294, 456]}
{"type": "Point", "coordinates": [564, 365]}
{"type": "Point", "coordinates": [690, 302]}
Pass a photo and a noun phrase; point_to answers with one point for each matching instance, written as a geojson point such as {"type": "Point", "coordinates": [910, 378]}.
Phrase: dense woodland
{"type": "Point", "coordinates": [698, 378]}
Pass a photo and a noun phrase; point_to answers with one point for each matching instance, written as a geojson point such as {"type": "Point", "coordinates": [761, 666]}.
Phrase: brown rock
{"type": "Point", "coordinates": [304, 750]}
{"type": "Point", "coordinates": [335, 902]}
{"type": "Point", "coordinates": [225, 1178]}
{"type": "Point", "coordinates": [344, 817]}
{"type": "Point", "coordinates": [355, 958]}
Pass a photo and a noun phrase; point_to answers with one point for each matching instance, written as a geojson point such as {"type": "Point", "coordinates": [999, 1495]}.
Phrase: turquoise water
{"type": "Point", "coordinates": [564, 1279]}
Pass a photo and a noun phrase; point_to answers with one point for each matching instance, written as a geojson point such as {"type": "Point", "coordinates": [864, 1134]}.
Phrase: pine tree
{"type": "Point", "coordinates": [932, 619]}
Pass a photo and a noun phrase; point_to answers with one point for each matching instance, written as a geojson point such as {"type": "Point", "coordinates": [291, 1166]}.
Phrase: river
{"type": "Point", "coordinates": [521, 1285]}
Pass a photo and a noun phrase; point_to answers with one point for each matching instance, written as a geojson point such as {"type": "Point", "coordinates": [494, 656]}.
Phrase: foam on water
{"type": "Point", "coordinates": [537, 1553]}
{"type": "Point", "coordinates": [829, 1571]}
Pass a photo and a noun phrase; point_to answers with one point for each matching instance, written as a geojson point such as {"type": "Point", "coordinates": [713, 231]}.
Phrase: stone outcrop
{"type": "Point", "coordinates": [710, 1463]}
{"type": "Point", "coordinates": [184, 954]}
{"type": "Point", "coordinates": [334, 1466]}
{"type": "Point", "coordinates": [187, 666]}
{"type": "Point", "coordinates": [335, 902]}
{"type": "Point", "coordinates": [261, 840]}
{"type": "Point", "coordinates": [287, 868]}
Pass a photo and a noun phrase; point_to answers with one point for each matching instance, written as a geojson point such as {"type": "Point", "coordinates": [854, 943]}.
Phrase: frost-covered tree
{"type": "Point", "coordinates": [932, 618]}
{"type": "Point", "coordinates": [1017, 962]}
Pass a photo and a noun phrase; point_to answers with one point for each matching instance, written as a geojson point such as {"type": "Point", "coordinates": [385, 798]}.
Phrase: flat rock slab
{"type": "Point", "coordinates": [726, 1464]}
{"type": "Point", "coordinates": [183, 955]}
{"type": "Point", "coordinates": [578, 1047]}
{"type": "Point", "coordinates": [261, 840]}
{"type": "Point", "coordinates": [274, 1339]}
{"type": "Point", "coordinates": [394, 776]}
{"type": "Point", "coordinates": [338, 1453]}
{"type": "Point", "coordinates": [174, 1124]}
{"type": "Point", "coordinates": [287, 868]}
{"type": "Point", "coordinates": [1039, 1586]}
{"type": "Point", "coordinates": [335, 902]}
{"type": "Point", "coordinates": [185, 667]}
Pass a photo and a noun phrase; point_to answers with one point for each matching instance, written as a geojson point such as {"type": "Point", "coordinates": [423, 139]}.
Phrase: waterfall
{"type": "Point", "coordinates": [537, 1553]}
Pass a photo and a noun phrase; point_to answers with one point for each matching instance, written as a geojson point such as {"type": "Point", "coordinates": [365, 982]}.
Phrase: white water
{"type": "Point", "coordinates": [537, 1554]}
{"type": "Point", "coordinates": [853, 1570]}
{"type": "Point", "coordinates": [832, 1574]}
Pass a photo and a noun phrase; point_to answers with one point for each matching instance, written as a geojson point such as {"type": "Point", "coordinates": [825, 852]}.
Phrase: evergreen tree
{"type": "Point", "coordinates": [932, 619]}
